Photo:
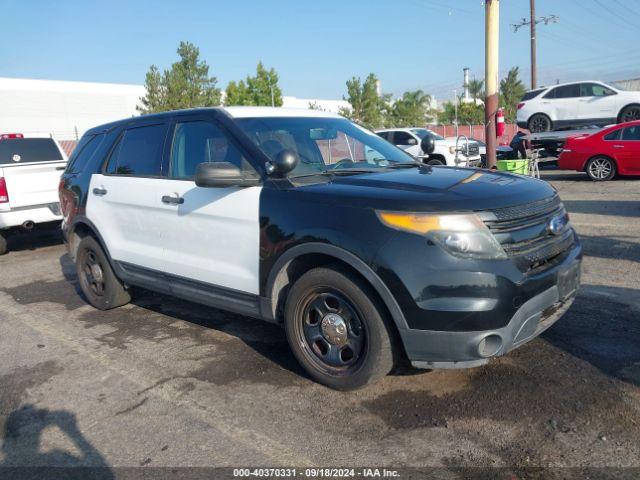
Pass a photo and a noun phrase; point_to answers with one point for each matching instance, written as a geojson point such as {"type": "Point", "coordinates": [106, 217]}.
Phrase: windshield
{"type": "Point", "coordinates": [422, 132]}
{"type": "Point", "coordinates": [322, 143]}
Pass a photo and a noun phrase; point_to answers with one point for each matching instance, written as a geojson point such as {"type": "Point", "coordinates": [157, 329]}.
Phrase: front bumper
{"type": "Point", "coordinates": [453, 349]}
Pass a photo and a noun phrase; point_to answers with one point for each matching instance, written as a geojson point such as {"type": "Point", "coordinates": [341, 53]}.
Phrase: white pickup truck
{"type": "Point", "coordinates": [30, 170]}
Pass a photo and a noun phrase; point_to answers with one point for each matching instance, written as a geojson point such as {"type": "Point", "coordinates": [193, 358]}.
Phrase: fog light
{"type": "Point", "coordinates": [489, 345]}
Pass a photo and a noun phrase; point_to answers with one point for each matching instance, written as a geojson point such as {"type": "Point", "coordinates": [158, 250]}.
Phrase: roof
{"type": "Point", "coordinates": [235, 112]}
{"type": "Point", "coordinates": [402, 129]}
{"type": "Point", "coordinates": [544, 87]}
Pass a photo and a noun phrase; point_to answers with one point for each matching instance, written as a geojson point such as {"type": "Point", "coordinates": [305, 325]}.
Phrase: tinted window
{"type": "Point", "coordinates": [566, 91]}
{"type": "Point", "coordinates": [139, 152]}
{"type": "Point", "coordinates": [532, 94]}
{"type": "Point", "coordinates": [24, 150]}
{"type": "Point", "coordinates": [631, 133]}
{"type": "Point", "coordinates": [385, 135]}
{"type": "Point", "coordinates": [594, 90]}
{"type": "Point", "coordinates": [615, 135]}
{"type": "Point", "coordinates": [403, 138]}
{"type": "Point", "coordinates": [84, 151]}
{"type": "Point", "coordinates": [198, 142]}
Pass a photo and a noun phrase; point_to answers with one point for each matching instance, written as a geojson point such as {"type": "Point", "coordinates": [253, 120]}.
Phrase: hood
{"type": "Point", "coordinates": [431, 189]}
{"type": "Point", "coordinates": [451, 142]}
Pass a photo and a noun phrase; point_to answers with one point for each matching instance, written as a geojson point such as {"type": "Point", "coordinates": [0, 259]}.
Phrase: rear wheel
{"type": "Point", "coordinates": [629, 114]}
{"type": "Point", "coordinates": [601, 168]}
{"type": "Point", "coordinates": [435, 161]}
{"type": "Point", "coordinates": [539, 123]}
{"type": "Point", "coordinates": [337, 329]}
{"type": "Point", "coordinates": [99, 284]}
{"type": "Point", "coordinates": [3, 244]}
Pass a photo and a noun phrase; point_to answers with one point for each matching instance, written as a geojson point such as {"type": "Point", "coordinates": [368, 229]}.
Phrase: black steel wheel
{"type": "Point", "coordinates": [539, 123]}
{"type": "Point", "coordinates": [629, 114]}
{"type": "Point", "coordinates": [97, 281]}
{"type": "Point", "coordinates": [601, 168]}
{"type": "Point", "coordinates": [337, 329]}
{"type": "Point", "coordinates": [3, 244]}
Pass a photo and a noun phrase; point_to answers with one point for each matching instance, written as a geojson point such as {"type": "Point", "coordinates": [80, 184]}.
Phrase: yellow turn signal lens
{"type": "Point", "coordinates": [424, 223]}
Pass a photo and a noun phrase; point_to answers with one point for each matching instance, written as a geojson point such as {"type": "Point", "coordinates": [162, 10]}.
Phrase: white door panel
{"type": "Point", "coordinates": [214, 235]}
{"type": "Point", "coordinates": [128, 218]}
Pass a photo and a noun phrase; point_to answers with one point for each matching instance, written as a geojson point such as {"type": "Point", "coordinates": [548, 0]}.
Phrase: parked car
{"type": "Point", "coordinates": [367, 257]}
{"type": "Point", "coordinates": [577, 104]}
{"type": "Point", "coordinates": [503, 152]}
{"type": "Point", "coordinates": [604, 154]}
{"type": "Point", "coordinates": [30, 170]}
{"type": "Point", "coordinates": [409, 140]}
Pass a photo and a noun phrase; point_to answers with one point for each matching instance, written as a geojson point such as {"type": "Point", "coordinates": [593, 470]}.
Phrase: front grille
{"type": "Point", "coordinates": [473, 150]}
{"type": "Point", "coordinates": [523, 231]}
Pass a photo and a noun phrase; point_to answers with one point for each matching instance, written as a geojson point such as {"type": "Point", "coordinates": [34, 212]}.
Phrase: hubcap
{"type": "Point", "coordinates": [334, 329]}
{"type": "Point", "coordinates": [93, 273]}
{"type": "Point", "coordinates": [332, 333]}
{"type": "Point", "coordinates": [631, 114]}
{"type": "Point", "coordinates": [539, 124]}
{"type": "Point", "coordinates": [600, 168]}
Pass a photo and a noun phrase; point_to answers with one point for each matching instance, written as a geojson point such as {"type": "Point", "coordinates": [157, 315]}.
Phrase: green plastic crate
{"type": "Point", "coordinates": [514, 166]}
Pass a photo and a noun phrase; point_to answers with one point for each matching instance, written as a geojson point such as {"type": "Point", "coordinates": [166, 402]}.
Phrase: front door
{"type": "Point", "coordinates": [211, 235]}
{"type": "Point", "coordinates": [597, 102]}
{"type": "Point", "coordinates": [628, 151]}
{"type": "Point", "coordinates": [123, 201]}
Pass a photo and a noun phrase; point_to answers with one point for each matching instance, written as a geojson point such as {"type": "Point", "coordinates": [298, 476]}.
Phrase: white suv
{"type": "Point", "coordinates": [571, 105]}
{"type": "Point", "coordinates": [444, 153]}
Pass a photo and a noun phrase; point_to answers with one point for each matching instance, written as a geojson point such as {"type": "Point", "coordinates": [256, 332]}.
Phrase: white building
{"type": "Point", "coordinates": [63, 109]}
{"type": "Point", "coordinates": [67, 109]}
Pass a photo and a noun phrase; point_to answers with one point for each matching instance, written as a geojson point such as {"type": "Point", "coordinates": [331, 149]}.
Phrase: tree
{"type": "Point", "coordinates": [476, 90]}
{"type": "Point", "coordinates": [367, 107]}
{"type": "Point", "coordinates": [511, 91]}
{"type": "Point", "coordinates": [409, 110]}
{"type": "Point", "coordinates": [467, 113]}
{"type": "Point", "coordinates": [186, 84]}
{"type": "Point", "coordinates": [261, 89]}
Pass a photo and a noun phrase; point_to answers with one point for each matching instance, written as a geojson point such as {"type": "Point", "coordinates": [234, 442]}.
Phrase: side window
{"type": "Point", "coordinates": [83, 152]}
{"type": "Point", "coordinates": [631, 133]}
{"type": "Point", "coordinates": [615, 135]}
{"type": "Point", "coordinates": [199, 141]}
{"type": "Point", "coordinates": [566, 91]}
{"type": "Point", "coordinates": [403, 138]}
{"type": "Point", "coordinates": [594, 90]}
{"type": "Point", "coordinates": [385, 135]}
{"type": "Point", "coordinates": [139, 152]}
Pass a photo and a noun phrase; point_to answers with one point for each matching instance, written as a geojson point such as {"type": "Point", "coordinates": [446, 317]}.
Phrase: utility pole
{"type": "Point", "coordinates": [532, 22]}
{"type": "Point", "coordinates": [492, 17]}
{"type": "Point", "coordinates": [532, 4]}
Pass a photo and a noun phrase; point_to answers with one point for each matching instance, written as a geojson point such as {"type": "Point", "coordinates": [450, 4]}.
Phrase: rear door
{"type": "Point", "coordinates": [563, 103]}
{"type": "Point", "coordinates": [211, 235]}
{"type": "Point", "coordinates": [32, 168]}
{"type": "Point", "coordinates": [124, 202]}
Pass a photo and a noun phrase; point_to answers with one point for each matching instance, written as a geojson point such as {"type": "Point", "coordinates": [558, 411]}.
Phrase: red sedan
{"type": "Point", "coordinates": [614, 150]}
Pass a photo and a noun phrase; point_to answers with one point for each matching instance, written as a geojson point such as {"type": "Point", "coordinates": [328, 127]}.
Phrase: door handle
{"type": "Point", "coordinates": [172, 199]}
{"type": "Point", "coordinates": [99, 191]}
{"type": "Point", "coordinates": [618, 146]}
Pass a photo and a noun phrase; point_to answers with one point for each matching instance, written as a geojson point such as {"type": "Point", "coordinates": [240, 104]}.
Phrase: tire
{"type": "Point", "coordinates": [629, 114]}
{"type": "Point", "coordinates": [601, 168]}
{"type": "Point", "coordinates": [435, 161]}
{"type": "Point", "coordinates": [3, 244]}
{"type": "Point", "coordinates": [98, 283]}
{"type": "Point", "coordinates": [539, 123]}
{"type": "Point", "coordinates": [338, 330]}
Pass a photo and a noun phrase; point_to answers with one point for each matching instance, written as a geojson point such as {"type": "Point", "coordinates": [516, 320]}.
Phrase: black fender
{"type": "Point", "coordinates": [347, 257]}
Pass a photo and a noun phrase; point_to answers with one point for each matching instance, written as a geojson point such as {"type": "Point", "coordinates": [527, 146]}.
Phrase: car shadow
{"type": "Point", "coordinates": [38, 238]}
{"type": "Point", "coordinates": [623, 247]}
{"type": "Point", "coordinates": [616, 208]}
{"type": "Point", "coordinates": [601, 328]}
{"type": "Point", "coordinates": [23, 454]}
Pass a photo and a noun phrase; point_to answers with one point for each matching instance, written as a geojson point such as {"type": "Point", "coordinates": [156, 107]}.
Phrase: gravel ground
{"type": "Point", "coordinates": [162, 382]}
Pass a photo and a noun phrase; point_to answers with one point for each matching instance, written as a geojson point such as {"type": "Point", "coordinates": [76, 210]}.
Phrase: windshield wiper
{"type": "Point", "coordinates": [405, 165]}
{"type": "Point", "coordinates": [344, 171]}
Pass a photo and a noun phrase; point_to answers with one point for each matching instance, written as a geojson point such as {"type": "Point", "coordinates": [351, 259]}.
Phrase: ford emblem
{"type": "Point", "coordinates": [557, 224]}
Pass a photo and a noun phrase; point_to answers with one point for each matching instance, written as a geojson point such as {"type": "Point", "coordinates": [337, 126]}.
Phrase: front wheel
{"type": "Point", "coordinates": [435, 161]}
{"type": "Point", "coordinates": [629, 114]}
{"type": "Point", "coordinates": [539, 123]}
{"type": "Point", "coordinates": [337, 329]}
{"type": "Point", "coordinates": [97, 281]}
{"type": "Point", "coordinates": [600, 169]}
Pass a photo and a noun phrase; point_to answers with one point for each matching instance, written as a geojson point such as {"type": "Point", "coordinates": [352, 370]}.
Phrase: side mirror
{"type": "Point", "coordinates": [285, 161]}
{"type": "Point", "coordinates": [412, 141]}
{"type": "Point", "coordinates": [223, 174]}
{"type": "Point", "coordinates": [428, 144]}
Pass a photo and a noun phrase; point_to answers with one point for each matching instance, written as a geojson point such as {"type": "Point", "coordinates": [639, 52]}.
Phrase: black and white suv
{"type": "Point", "coordinates": [368, 257]}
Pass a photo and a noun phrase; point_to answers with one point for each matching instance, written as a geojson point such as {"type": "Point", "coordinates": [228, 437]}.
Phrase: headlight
{"type": "Point", "coordinates": [464, 235]}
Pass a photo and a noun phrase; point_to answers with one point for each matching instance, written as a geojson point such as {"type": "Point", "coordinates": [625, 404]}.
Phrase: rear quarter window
{"type": "Point", "coordinates": [84, 152]}
{"type": "Point", "coordinates": [28, 150]}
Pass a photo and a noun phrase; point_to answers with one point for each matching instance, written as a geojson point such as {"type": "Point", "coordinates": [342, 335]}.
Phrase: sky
{"type": "Point", "coordinates": [316, 45]}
